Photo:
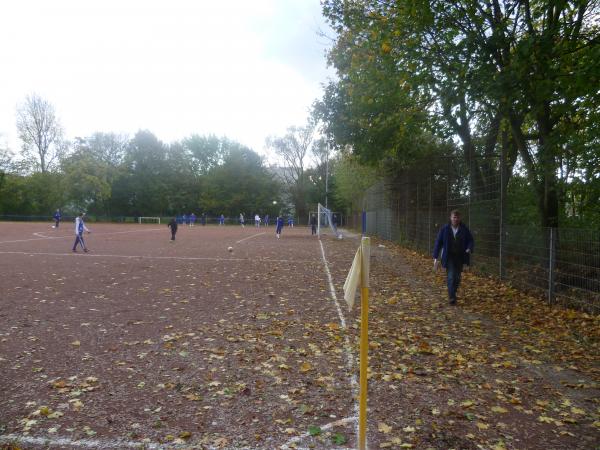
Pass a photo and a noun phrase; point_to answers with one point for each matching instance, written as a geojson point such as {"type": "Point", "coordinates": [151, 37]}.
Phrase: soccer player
{"type": "Point", "coordinates": [291, 222]}
{"type": "Point", "coordinates": [222, 220]}
{"type": "Point", "coordinates": [313, 224]}
{"type": "Point", "coordinates": [57, 217]}
{"type": "Point", "coordinates": [192, 219]}
{"type": "Point", "coordinates": [79, 229]}
{"type": "Point", "coordinates": [173, 226]}
{"type": "Point", "coordinates": [266, 220]}
{"type": "Point", "coordinates": [257, 221]}
{"type": "Point", "coordinates": [242, 220]}
{"type": "Point", "coordinates": [279, 223]}
{"type": "Point", "coordinates": [203, 219]}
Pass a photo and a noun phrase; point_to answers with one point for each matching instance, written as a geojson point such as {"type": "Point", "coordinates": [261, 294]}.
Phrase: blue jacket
{"type": "Point", "coordinates": [444, 237]}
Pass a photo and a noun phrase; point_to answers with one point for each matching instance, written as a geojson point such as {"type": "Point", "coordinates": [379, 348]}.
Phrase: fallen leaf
{"type": "Point", "coordinates": [384, 428]}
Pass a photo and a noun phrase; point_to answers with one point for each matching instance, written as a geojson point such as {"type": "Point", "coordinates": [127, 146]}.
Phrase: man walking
{"type": "Point", "coordinates": [79, 229]}
{"type": "Point", "coordinates": [455, 242]}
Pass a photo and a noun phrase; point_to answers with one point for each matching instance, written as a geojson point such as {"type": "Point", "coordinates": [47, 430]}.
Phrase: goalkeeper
{"type": "Point", "coordinates": [313, 224]}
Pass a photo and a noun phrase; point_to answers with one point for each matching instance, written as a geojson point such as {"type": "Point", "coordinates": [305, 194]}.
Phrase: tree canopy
{"type": "Point", "coordinates": [517, 74]}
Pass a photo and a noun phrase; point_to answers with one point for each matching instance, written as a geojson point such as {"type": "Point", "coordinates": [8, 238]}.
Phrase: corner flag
{"type": "Point", "coordinates": [359, 272]}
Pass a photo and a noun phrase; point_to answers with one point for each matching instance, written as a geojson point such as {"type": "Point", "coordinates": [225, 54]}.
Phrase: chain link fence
{"type": "Point", "coordinates": [562, 265]}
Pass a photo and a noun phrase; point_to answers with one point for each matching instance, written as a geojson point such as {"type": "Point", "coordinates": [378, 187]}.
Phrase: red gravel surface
{"type": "Point", "coordinates": [177, 344]}
{"type": "Point", "coordinates": [187, 345]}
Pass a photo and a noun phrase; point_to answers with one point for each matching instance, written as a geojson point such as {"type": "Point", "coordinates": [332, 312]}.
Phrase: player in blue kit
{"type": "Point", "coordinates": [279, 223]}
{"type": "Point", "coordinates": [57, 217]}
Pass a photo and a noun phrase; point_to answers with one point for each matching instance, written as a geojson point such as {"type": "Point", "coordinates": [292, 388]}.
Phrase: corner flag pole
{"type": "Point", "coordinates": [359, 273]}
{"type": "Point", "coordinates": [364, 340]}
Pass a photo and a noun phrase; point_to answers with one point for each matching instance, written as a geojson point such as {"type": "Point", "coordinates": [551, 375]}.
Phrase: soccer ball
{"type": "Point", "coordinates": [230, 249]}
{"type": "Point", "coordinates": [53, 226]}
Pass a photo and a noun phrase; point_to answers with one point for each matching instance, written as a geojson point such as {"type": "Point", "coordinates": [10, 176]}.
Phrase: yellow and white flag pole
{"type": "Point", "coordinates": [360, 272]}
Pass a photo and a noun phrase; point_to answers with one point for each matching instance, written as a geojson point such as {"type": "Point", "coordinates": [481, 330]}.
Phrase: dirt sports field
{"type": "Point", "coordinates": [144, 343]}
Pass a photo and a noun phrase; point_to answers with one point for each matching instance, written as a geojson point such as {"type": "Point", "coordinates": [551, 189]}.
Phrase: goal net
{"type": "Point", "coordinates": [327, 221]}
{"type": "Point", "coordinates": [155, 220]}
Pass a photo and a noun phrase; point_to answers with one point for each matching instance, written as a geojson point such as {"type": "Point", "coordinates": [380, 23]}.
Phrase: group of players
{"type": "Point", "coordinates": [190, 220]}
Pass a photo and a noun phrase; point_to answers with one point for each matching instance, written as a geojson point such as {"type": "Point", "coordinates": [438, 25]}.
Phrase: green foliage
{"type": "Point", "coordinates": [314, 430]}
{"type": "Point", "coordinates": [468, 70]}
{"type": "Point", "coordinates": [352, 180]}
{"type": "Point", "coordinates": [338, 439]}
{"type": "Point", "coordinates": [241, 184]}
{"type": "Point", "coordinates": [109, 175]}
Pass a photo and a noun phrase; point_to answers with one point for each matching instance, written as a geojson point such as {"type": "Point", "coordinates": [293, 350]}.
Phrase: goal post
{"type": "Point", "coordinates": [327, 221]}
{"type": "Point", "coordinates": [143, 220]}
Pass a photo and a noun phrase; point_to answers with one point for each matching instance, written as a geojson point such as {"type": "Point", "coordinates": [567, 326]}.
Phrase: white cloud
{"type": "Point", "coordinates": [237, 68]}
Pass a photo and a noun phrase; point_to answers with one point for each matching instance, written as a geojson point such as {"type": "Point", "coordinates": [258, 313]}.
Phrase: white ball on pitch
{"type": "Point", "coordinates": [230, 249]}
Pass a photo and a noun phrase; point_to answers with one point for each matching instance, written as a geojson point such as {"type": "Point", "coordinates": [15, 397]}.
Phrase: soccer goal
{"type": "Point", "coordinates": [327, 221]}
{"type": "Point", "coordinates": [142, 220]}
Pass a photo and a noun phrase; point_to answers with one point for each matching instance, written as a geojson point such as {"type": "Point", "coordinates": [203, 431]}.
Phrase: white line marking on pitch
{"type": "Point", "coordinates": [348, 352]}
{"type": "Point", "coordinates": [348, 346]}
{"type": "Point", "coordinates": [71, 236]}
{"type": "Point", "coordinates": [250, 237]}
{"type": "Point", "coordinates": [182, 258]}
{"type": "Point", "coordinates": [325, 427]}
{"type": "Point", "coordinates": [63, 442]}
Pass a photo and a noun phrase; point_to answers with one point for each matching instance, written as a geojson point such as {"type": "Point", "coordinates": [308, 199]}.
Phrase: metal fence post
{"type": "Point", "coordinates": [429, 244]}
{"type": "Point", "coordinates": [551, 264]}
{"type": "Point", "coordinates": [502, 227]}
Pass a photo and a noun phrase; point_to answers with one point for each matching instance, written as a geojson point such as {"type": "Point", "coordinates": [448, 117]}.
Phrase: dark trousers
{"type": "Point", "coordinates": [173, 235]}
{"type": "Point", "coordinates": [313, 229]}
{"type": "Point", "coordinates": [79, 240]}
{"type": "Point", "coordinates": [57, 222]}
{"type": "Point", "coordinates": [454, 272]}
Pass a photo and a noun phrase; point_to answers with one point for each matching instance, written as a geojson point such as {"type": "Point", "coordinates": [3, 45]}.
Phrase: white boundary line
{"type": "Point", "coordinates": [250, 237]}
{"type": "Point", "coordinates": [73, 235]}
{"type": "Point", "coordinates": [349, 360]}
{"type": "Point", "coordinates": [347, 344]}
{"type": "Point", "coordinates": [63, 442]}
{"type": "Point", "coordinates": [325, 427]}
{"type": "Point", "coordinates": [181, 258]}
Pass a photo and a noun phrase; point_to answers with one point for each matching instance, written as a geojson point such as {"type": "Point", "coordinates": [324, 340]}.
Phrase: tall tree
{"type": "Point", "coordinates": [294, 149]}
{"type": "Point", "coordinates": [206, 152]}
{"type": "Point", "coordinates": [475, 68]}
{"type": "Point", "coordinates": [40, 131]}
{"type": "Point", "coordinates": [240, 184]}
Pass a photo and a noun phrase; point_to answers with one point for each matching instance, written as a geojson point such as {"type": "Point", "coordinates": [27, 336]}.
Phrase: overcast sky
{"type": "Point", "coordinates": [240, 68]}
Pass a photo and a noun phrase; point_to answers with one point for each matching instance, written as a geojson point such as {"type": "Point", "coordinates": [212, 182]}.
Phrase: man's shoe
{"type": "Point", "coordinates": [85, 250]}
{"type": "Point", "coordinates": [74, 251]}
{"type": "Point", "coordinates": [452, 301]}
